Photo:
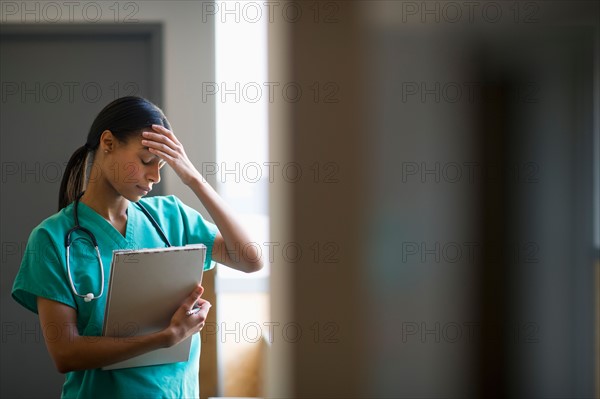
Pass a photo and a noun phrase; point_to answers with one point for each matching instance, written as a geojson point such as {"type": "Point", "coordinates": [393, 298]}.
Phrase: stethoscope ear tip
{"type": "Point", "coordinates": [88, 297]}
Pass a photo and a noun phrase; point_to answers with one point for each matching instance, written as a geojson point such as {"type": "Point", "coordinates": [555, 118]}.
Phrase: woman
{"type": "Point", "coordinates": [104, 183]}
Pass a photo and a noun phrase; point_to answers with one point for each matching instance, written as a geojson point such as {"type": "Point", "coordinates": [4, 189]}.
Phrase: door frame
{"type": "Point", "coordinates": [154, 31]}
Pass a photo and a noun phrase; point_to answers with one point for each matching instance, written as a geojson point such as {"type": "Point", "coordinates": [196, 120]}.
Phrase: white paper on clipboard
{"type": "Point", "coordinates": [145, 289]}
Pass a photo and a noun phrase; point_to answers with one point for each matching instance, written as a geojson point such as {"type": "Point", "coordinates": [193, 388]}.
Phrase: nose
{"type": "Point", "coordinates": [153, 173]}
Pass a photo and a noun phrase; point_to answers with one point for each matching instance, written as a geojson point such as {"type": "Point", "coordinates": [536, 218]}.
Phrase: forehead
{"type": "Point", "coordinates": [135, 143]}
{"type": "Point", "coordinates": [136, 140]}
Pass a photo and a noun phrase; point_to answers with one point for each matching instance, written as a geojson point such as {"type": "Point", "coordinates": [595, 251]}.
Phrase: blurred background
{"type": "Point", "coordinates": [422, 178]}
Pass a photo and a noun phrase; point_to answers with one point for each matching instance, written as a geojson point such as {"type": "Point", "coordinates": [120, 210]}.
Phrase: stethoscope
{"type": "Point", "coordinates": [89, 296]}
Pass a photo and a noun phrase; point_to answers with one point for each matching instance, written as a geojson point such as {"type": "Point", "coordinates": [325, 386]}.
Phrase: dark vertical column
{"type": "Point", "coordinates": [495, 227]}
{"type": "Point", "coordinates": [327, 145]}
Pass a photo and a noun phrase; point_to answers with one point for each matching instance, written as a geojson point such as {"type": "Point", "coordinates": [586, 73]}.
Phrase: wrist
{"type": "Point", "coordinates": [198, 182]}
{"type": "Point", "coordinates": [168, 337]}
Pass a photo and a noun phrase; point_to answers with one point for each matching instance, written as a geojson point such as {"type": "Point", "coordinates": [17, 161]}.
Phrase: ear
{"type": "Point", "coordinates": [107, 141]}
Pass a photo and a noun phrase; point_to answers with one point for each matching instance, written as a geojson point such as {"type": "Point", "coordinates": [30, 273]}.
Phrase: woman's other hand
{"type": "Point", "coordinates": [183, 325]}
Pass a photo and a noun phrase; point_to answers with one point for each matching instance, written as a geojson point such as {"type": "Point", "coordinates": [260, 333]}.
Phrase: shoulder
{"type": "Point", "coordinates": [54, 227]}
{"type": "Point", "coordinates": [42, 270]}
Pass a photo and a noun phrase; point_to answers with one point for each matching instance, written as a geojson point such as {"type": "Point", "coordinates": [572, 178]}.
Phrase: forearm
{"type": "Point", "coordinates": [165, 145]}
{"type": "Point", "coordinates": [85, 352]}
{"type": "Point", "coordinates": [238, 243]}
{"type": "Point", "coordinates": [71, 351]}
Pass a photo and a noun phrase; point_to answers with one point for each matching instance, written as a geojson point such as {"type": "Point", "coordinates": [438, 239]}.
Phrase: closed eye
{"type": "Point", "coordinates": [160, 164]}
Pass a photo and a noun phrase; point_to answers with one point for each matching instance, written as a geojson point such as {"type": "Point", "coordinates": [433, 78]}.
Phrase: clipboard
{"type": "Point", "coordinates": [145, 289]}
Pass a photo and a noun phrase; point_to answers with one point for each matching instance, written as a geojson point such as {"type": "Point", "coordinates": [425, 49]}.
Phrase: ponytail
{"type": "Point", "coordinates": [73, 178]}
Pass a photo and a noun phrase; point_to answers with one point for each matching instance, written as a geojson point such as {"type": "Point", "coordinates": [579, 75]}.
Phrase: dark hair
{"type": "Point", "coordinates": [124, 117]}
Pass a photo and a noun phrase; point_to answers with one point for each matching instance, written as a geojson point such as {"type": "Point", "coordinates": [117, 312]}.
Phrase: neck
{"type": "Point", "coordinates": [106, 202]}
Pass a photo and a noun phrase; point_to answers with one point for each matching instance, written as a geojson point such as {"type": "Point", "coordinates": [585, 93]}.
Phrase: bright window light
{"type": "Point", "coordinates": [241, 106]}
{"type": "Point", "coordinates": [242, 176]}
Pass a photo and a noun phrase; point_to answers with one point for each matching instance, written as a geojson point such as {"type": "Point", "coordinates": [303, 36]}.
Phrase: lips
{"type": "Point", "coordinates": [146, 189]}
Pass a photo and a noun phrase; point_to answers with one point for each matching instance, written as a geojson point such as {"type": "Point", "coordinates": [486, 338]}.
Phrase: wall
{"type": "Point", "coordinates": [188, 50]}
{"type": "Point", "coordinates": [188, 61]}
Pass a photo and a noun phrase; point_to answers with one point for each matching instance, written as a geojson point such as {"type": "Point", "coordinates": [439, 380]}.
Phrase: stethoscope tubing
{"type": "Point", "coordinates": [90, 296]}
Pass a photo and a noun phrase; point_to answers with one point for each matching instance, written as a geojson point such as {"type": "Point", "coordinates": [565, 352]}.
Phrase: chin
{"type": "Point", "coordinates": [133, 196]}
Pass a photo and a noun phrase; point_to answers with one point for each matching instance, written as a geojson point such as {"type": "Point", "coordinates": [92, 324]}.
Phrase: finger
{"type": "Point", "coordinates": [163, 148]}
{"type": "Point", "coordinates": [201, 309]}
{"type": "Point", "coordinates": [161, 128]}
{"type": "Point", "coordinates": [166, 132]}
{"type": "Point", "coordinates": [201, 315]}
{"type": "Point", "coordinates": [193, 298]}
{"type": "Point", "coordinates": [162, 155]}
{"type": "Point", "coordinates": [153, 140]}
{"type": "Point", "coordinates": [156, 136]}
{"type": "Point", "coordinates": [199, 301]}
{"type": "Point", "coordinates": [203, 302]}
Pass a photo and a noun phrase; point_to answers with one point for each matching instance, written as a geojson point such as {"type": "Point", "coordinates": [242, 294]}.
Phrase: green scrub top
{"type": "Point", "coordinates": [43, 272]}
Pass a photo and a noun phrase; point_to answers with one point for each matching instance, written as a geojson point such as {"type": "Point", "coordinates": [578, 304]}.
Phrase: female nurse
{"type": "Point", "coordinates": [104, 183]}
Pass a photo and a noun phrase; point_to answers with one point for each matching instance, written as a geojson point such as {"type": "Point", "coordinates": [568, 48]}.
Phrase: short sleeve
{"type": "Point", "coordinates": [41, 273]}
{"type": "Point", "coordinates": [197, 230]}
